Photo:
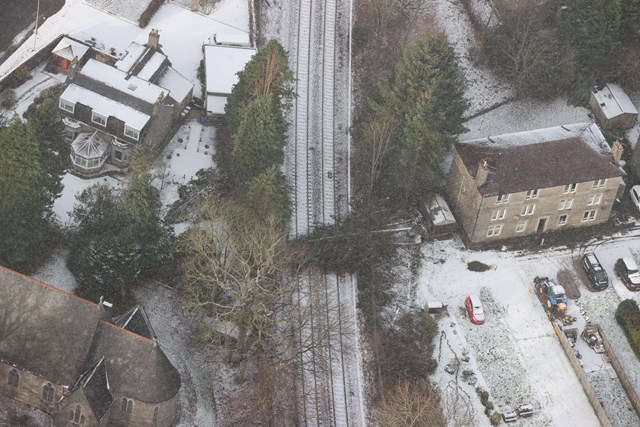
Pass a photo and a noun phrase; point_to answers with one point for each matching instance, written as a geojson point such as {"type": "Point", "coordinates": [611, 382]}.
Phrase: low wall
{"type": "Point", "coordinates": [622, 376]}
{"type": "Point", "coordinates": [582, 377]}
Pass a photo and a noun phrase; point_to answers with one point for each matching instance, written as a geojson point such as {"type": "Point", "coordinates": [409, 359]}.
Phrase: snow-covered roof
{"type": "Point", "coordinates": [105, 106]}
{"type": "Point", "coordinates": [116, 79]}
{"type": "Point", "coordinates": [133, 52]}
{"type": "Point", "coordinates": [153, 65]}
{"type": "Point", "coordinates": [613, 101]}
{"type": "Point", "coordinates": [89, 146]}
{"type": "Point", "coordinates": [229, 39]}
{"type": "Point", "coordinates": [589, 133]}
{"type": "Point", "coordinates": [440, 210]}
{"type": "Point", "coordinates": [68, 48]}
{"type": "Point", "coordinates": [216, 104]}
{"type": "Point", "coordinates": [177, 84]}
{"type": "Point", "coordinates": [541, 158]}
{"type": "Point", "coordinates": [222, 63]}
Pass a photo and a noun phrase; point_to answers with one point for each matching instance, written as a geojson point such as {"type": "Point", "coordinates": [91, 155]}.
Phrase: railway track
{"type": "Point", "coordinates": [318, 166]}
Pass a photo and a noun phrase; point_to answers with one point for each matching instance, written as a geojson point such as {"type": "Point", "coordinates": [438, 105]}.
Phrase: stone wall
{"type": "Point", "coordinates": [30, 389]}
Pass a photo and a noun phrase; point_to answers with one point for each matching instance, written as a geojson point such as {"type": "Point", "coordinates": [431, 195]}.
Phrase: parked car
{"type": "Point", "coordinates": [627, 269]}
{"type": "Point", "coordinates": [474, 308]}
{"type": "Point", "coordinates": [635, 195]}
{"type": "Point", "coordinates": [594, 270]}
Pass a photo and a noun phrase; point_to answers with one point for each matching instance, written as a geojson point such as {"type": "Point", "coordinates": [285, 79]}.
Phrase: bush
{"type": "Point", "coordinates": [495, 418]}
{"type": "Point", "coordinates": [20, 75]}
{"type": "Point", "coordinates": [628, 316]}
{"type": "Point", "coordinates": [148, 13]}
{"type": "Point", "coordinates": [8, 98]}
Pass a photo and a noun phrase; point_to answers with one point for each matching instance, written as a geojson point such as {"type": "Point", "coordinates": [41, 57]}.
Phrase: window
{"type": "Point", "coordinates": [66, 105]}
{"type": "Point", "coordinates": [98, 119]}
{"type": "Point", "coordinates": [498, 214]}
{"type": "Point", "coordinates": [502, 198]}
{"type": "Point", "coordinates": [117, 154]}
{"type": "Point", "coordinates": [521, 226]}
{"type": "Point", "coordinates": [531, 194]}
{"type": "Point", "coordinates": [599, 183]}
{"type": "Point", "coordinates": [131, 133]}
{"type": "Point", "coordinates": [76, 417]}
{"type": "Point", "coordinates": [494, 230]}
{"type": "Point", "coordinates": [594, 199]}
{"type": "Point", "coordinates": [570, 188]}
{"type": "Point", "coordinates": [14, 378]}
{"type": "Point", "coordinates": [565, 204]}
{"type": "Point", "coordinates": [563, 219]}
{"type": "Point", "coordinates": [47, 393]}
{"type": "Point", "coordinates": [155, 415]}
{"type": "Point", "coordinates": [527, 210]}
{"type": "Point", "coordinates": [127, 406]}
{"type": "Point", "coordinates": [589, 216]}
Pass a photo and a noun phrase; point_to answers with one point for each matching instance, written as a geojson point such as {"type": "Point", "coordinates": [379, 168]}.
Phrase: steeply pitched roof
{"type": "Point", "coordinates": [136, 365]}
{"type": "Point", "coordinates": [95, 385]}
{"type": "Point", "coordinates": [136, 321]}
{"type": "Point", "coordinates": [540, 159]}
{"type": "Point", "coordinates": [44, 330]}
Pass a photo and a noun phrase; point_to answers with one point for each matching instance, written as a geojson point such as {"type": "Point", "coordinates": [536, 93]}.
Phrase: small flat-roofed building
{"type": "Point", "coordinates": [222, 63]}
{"type": "Point", "coordinates": [612, 107]}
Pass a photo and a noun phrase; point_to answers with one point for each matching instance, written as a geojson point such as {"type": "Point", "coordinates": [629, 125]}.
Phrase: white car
{"type": "Point", "coordinates": [635, 195]}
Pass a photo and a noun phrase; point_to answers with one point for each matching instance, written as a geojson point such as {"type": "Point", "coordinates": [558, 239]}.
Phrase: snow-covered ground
{"type": "Point", "coordinates": [73, 186]}
{"type": "Point", "coordinates": [515, 355]}
{"type": "Point", "coordinates": [182, 32]}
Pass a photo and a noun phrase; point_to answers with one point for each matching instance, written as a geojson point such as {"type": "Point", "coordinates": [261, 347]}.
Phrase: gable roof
{"type": "Point", "coordinates": [95, 385]}
{"type": "Point", "coordinates": [45, 330]}
{"type": "Point", "coordinates": [69, 48]}
{"type": "Point", "coordinates": [137, 367]}
{"type": "Point", "coordinates": [541, 158]}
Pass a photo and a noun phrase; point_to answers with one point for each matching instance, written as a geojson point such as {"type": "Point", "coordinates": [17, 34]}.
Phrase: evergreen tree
{"type": "Point", "coordinates": [267, 195]}
{"type": "Point", "coordinates": [23, 227]}
{"type": "Point", "coordinates": [48, 131]}
{"type": "Point", "coordinates": [259, 141]}
{"type": "Point", "coordinates": [426, 98]}
{"type": "Point", "coordinates": [630, 20]}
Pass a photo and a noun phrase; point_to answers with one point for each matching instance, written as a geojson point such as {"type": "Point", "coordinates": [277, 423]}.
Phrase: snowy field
{"type": "Point", "coordinates": [515, 355]}
{"type": "Point", "coordinates": [129, 10]}
{"type": "Point", "coordinates": [182, 32]}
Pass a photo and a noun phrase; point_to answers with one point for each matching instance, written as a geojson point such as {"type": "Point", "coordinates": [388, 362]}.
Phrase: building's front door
{"type": "Point", "coordinates": [542, 223]}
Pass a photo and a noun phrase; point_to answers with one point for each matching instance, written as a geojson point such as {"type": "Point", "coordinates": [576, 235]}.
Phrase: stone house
{"type": "Point", "coordinates": [69, 358]}
{"type": "Point", "coordinates": [110, 105]}
{"type": "Point", "coordinates": [533, 182]}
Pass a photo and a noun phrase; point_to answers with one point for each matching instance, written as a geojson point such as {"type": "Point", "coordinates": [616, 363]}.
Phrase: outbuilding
{"type": "Point", "coordinates": [612, 107]}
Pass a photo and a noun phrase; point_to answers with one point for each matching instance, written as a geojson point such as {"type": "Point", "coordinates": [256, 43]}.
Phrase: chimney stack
{"type": "Point", "coordinates": [482, 173]}
{"type": "Point", "coordinates": [73, 68]}
{"type": "Point", "coordinates": [154, 39]}
{"type": "Point", "coordinates": [616, 150]}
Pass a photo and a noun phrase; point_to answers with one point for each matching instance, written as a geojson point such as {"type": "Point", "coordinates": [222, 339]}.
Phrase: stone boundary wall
{"type": "Point", "coordinates": [582, 377]}
{"type": "Point", "coordinates": [622, 376]}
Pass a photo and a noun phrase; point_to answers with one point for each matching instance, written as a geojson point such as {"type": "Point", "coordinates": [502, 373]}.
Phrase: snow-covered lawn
{"type": "Point", "coordinates": [516, 354]}
{"type": "Point", "coordinates": [190, 150]}
{"type": "Point", "coordinates": [73, 186]}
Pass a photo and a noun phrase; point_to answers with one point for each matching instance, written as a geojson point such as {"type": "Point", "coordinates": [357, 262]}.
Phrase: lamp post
{"type": "Point", "coordinates": [35, 32]}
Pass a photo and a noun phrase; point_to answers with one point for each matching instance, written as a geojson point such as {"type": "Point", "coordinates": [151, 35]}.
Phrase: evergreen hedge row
{"type": "Point", "coordinates": [628, 316]}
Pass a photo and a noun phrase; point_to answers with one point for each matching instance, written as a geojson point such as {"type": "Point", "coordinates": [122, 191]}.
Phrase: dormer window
{"type": "Point", "coordinates": [66, 105]}
{"type": "Point", "coordinates": [98, 119]}
{"type": "Point", "coordinates": [131, 133]}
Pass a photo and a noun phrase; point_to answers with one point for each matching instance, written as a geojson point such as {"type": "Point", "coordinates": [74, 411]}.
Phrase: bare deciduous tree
{"type": "Point", "coordinates": [411, 405]}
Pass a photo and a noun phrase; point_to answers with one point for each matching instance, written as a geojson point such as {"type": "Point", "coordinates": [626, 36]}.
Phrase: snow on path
{"type": "Point", "coordinates": [55, 272]}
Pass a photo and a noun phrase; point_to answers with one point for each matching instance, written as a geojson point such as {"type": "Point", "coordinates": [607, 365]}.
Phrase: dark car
{"type": "Point", "coordinates": [594, 270]}
{"type": "Point", "coordinates": [627, 269]}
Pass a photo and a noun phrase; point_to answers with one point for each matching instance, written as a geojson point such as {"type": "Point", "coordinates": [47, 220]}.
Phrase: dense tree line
{"type": "Point", "coordinates": [33, 159]}
{"type": "Point", "coordinates": [571, 49]}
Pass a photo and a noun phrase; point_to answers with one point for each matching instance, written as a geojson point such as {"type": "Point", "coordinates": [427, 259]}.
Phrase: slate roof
{"type": "Point", "coordinates": [95, 385]}
{"type": "Point", "coordinates": [136, 365]}
{"type": "Point", "coordinates": [539, 159]}
{"type": "Point", "coordinates": [61, 337]}
{"type": "Point", "coordinates": [44, 330]}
